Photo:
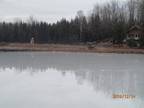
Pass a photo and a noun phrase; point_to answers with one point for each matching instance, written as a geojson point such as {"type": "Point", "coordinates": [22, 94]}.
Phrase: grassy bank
{"type": "Point", "coordinates": [68, 48]}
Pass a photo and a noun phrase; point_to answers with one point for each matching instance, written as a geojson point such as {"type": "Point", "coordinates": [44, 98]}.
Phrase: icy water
{"type": "Point", "coordinates": [70, 80]}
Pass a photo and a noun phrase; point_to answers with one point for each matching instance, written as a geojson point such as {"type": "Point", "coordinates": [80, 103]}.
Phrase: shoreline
{"type": "Point", "coordinates": [17, 47]}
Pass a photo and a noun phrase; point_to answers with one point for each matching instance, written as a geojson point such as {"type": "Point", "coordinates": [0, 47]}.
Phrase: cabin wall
{"type": "Point", "coordinates": [135, 34]}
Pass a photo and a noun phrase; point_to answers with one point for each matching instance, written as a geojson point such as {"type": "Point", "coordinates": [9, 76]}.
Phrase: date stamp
{"type": "Point", "coordinates": [123, 96]}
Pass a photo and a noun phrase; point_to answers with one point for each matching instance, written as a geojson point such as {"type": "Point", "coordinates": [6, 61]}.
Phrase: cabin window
{"type": "Point", "coordinates": [132, 35]}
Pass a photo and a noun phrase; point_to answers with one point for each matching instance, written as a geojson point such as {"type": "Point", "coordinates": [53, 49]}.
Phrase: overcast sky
{"type": "Point", "coordinates": [46, 10]}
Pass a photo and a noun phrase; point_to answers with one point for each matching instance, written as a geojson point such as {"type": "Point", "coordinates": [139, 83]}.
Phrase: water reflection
{"type": "Point", "coordinates": [107, 73]}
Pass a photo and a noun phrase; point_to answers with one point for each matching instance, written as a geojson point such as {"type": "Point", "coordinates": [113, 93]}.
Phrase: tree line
{"type": "Point", "coordinates": [109, 21]}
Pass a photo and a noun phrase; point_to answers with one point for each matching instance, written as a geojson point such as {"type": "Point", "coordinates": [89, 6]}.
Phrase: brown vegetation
{"type": "Point", "coordinates": [69, 48]}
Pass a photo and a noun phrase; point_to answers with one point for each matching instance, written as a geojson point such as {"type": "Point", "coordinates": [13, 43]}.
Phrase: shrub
{"type": "Point", "coordinates": [132, 43]}
{"type": "Point", "coordinates": [141, 42]}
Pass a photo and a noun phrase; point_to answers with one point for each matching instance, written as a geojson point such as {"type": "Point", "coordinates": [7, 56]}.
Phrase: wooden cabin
{"type": "Point", "coordinates": [135, 32]}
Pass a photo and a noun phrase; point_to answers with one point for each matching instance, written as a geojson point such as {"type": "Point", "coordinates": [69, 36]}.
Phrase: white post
{"type": "Point", "coordinates": [32, 41]}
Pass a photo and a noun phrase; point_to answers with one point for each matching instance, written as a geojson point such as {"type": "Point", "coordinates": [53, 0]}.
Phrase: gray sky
{"type": "Point", "coordinates": [46, 10]}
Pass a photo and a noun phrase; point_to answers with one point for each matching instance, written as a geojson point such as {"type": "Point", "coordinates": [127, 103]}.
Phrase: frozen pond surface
{"type": "Point", "coordinates": [70, 80]}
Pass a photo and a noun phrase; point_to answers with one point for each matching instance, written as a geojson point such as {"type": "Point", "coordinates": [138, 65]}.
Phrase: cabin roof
{"type": "Point", "coordinates": [135, 27]}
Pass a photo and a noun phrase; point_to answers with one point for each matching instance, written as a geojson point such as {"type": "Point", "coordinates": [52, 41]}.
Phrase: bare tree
{"type": "Point", "coordinates": [31, 20]}
{"type": "Point", "coordinates": [132, 11]}
{"type": "Point", "coordinates": [81, 17]}
{"type": "Point", "coordinates": [141, 12]}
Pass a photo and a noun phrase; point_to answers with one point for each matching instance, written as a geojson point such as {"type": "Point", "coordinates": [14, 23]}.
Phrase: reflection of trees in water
{"type": "Point", "coordinates": [131, 83]}
{"type": "Point", "coordinates": [110, 73]}
{"type": "Point", "coordinates": [112, 82]}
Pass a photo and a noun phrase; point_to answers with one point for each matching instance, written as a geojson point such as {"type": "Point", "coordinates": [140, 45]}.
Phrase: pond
{"type": "Point", "coordinates": [71, 80]}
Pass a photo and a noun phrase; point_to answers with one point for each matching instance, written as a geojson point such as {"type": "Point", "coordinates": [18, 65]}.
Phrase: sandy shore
{"type": "Point", "coordinates": [68, 48]}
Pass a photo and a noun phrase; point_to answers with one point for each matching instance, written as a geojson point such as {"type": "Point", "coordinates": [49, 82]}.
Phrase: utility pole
{"type": "Point", "coordinates": [81, 30]}
{"type": "Point", "coordinates": [80, 15]}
